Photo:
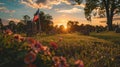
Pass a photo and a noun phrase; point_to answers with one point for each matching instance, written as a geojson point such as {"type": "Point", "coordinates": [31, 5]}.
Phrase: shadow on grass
{"type": "Point", "coordinates": [110, 36]}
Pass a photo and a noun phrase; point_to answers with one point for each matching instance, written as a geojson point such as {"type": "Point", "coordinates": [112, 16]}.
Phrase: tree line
{"type": "Point", "coordinates": [47, 26]}
{"type": "Point", "coordinates": [26, 25]}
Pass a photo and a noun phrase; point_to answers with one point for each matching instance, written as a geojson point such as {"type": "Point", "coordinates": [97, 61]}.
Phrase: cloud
{"type": "Point", "coordinates": [56, 9]}
{"type": "Point", "coordinates": [73, 10]}
{"type": "Point", "coordinates": [14, 19]}
{"type": "Point", "coordinates": [68, 1]}
{"type": "Point", "coordinates": [40, 3]}
{"type": "Point", "coordinates": [44, 3]}
{"type": "Point", "coordinates": [1, 3]}
{"type": "Point", "coordinates": [4, 9]}
{"type": "Point", "coordinates": [6, 21]}
{"type": "Point", "coordinates": [116, 20]}
{"type": "Point", "coordinates": [81, 5]}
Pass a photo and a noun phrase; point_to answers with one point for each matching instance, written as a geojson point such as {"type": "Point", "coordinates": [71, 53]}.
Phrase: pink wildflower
{"type": "Point", "coordinates": [36, 47]}
{"type": "Point", "coordinates": [18, 38]}
{"type": "Point", "coordinates": [56, 61]}
{"type": "Point", "coordinates": [63, 62]}
{"type": "Point", "coordinates": [54, 45]}
{"type": "Point", "coordinates": [44, 48]}
{"type": "Point", "coordinates": [8, 32]}
{"type": "Point", "coordinates": [79, 63]}
{"type": "Point", "coordinates": [31, 40]}
{"type": "Point", "coordinates": [22, 39]}
{"type": "Point", "coordinates": [30, 57]}
{"type": "Point", "coordinates": [47, 53]}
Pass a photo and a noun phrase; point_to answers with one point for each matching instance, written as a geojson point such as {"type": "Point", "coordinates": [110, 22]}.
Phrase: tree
{"type": "Point", "coordinates": [44, 23]}
{"type": "Point", "coordinates": [109, 7]}
{"type": "Point", "coordinates": [61, 29]}
{"type": "Point", "coordinates": [70, 26]}
{"type": "Point", "coordinates": [76, 26]}
{"type": "Point", "coordinates": [1, 25]}
{"type": "Point", "coordinates": [27, 23]}
{"type": "Point", "coordinates": [20, 27]}
{"type": "Point", "coordinates": [73, 26]}
{"type": "Point", "coordinates": [47, 24]}
{"type": "Point", "coordinates": [12, 26]}
{"type": "Point", "coordinates": [26, 18]}
{"type": "Point", "coordinates": [40, 21]}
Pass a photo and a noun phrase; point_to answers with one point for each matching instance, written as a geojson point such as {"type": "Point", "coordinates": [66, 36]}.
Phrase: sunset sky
{"type": "Point", "coordinates": [61, 10]}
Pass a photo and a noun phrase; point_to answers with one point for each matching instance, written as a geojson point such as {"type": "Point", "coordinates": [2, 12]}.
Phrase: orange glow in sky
{"type": "Point", "coordinates": [63, 19]}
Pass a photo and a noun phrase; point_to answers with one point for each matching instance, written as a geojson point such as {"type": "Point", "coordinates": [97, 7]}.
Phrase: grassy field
{"type": "Point", "coordinates": [96, 50]}
{"type": "Point", "coordinates": [110, 36]}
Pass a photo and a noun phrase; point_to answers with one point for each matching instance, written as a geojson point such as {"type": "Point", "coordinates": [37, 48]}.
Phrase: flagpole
{"type": "Point", "coordinates": [39, 24]}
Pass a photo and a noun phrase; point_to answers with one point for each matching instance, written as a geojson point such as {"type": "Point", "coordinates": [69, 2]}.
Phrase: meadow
{"type": "Point", "coordinates": [96, 50]}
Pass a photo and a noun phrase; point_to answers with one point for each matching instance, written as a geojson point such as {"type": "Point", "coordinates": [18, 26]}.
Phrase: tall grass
{"type": "Point", "coordinates": [110, 36]}
{"type": "Point", "coordinates": [94, 51]}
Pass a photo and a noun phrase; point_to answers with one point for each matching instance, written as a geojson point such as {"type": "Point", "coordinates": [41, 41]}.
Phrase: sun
{"type": "Point", "coordinates": [63, 20]}
{"type": "Point", "coordinates": [65, 26]}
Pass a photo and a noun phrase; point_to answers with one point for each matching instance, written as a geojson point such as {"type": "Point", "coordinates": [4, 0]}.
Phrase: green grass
{"type": "Point", "coordinates": [110, 36]}
{"type": "Point", "coordinates": [96, 50]}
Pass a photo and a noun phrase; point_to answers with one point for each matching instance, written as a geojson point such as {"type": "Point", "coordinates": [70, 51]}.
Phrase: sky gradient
{"type": "Point", "coordinates": [61, 10]}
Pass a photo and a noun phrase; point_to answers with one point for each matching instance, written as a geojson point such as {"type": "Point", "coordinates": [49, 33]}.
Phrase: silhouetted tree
{"type": "Point", "coordinates": [12, 26]}
{"type": "Point", "coordinates": [1, 25]}
{"type": "Point", "coordinates": [56, 29]}
{"type": "Point", "coordinates": [27, 23]}
{"type": "Point", "coordinates": [110, 7]}
{"type": "Point", "coordinates": [61, 29]}
{"type": "Point", "coordinates": [70, 26]}
{"type": "Point", "coordinates": [73, 26]}
{"type": "Point", "coordinates": [76, 26]}
{"type": "Point", "coordinates": [97, 29]}
{"type": "Point", "coordinates": [26, 18]}
{"type": "Point", "coordinates": [21, 27]}
{"type": "Point", "coordinates": [45, 22]}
